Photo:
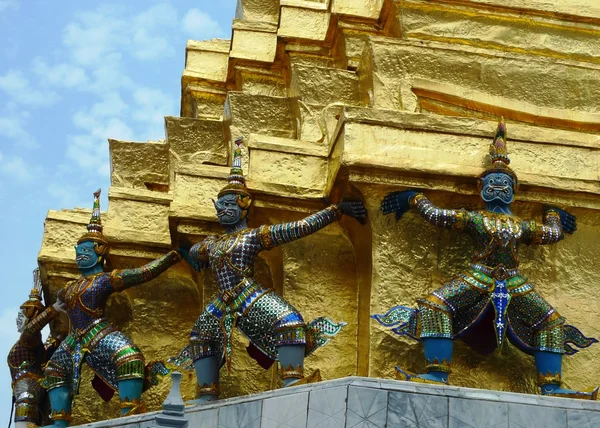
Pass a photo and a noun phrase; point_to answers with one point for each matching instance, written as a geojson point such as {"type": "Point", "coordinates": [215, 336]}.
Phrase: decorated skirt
{"type": "Point", "coordinates": [508, 308]}
{"type": "Point", "coordinates": [109, 353]}
{"type": "Point", "coordinates": [263, 316]}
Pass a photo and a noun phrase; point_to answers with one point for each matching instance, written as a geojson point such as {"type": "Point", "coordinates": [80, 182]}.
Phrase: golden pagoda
{"type": "Point", "coordinates": [358, 98]}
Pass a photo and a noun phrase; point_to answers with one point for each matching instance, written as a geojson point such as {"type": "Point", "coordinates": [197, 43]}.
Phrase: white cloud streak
{"type": "Point", "coordinates": [148, 43]}
{"type": "Point", "coordinates": [8, 5]}
{"type": "Point", "coordinates": [96, 36]}
{"type": "Point", "coordinates": [14, 168]}
{"type": "Point", "coordinates": [60, 75]}
{"type": "Point", "coordinates": [90, 149]}
{"type": "Point", "coordinates": [20, 90]}
{"type": "Point", "coordinates": [199, 25]}
{"type": "Point", "coordinates": [13, 126]}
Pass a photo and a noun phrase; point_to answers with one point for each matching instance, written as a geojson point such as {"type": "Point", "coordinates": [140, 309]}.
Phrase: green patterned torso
{"type": "Point", "coordinates": [496, 238]}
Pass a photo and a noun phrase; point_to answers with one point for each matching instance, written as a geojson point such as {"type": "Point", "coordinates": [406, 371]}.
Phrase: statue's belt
{"type": "Point", "coordinates": [90, 337]}
{"type": "Point", "coordinates": [485, 278]}
{"type": "Point", "coordinates": [228, 296]}
{"type": "Point", "coordinates": [232, 303]}
{"type": "Point", "coordinates": [235, 297]}
{"type": "Point", "coordinates": [82, 342]}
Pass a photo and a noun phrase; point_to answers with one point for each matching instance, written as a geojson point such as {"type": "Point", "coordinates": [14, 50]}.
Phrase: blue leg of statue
{"type": "Point", "coordinates": [549, 368]}
{"type": "Point", "coordinates": [207, 375]}
{"type": "Point", "coordinates": [438, 355]}
{"type": "Point", "coordinates": [130, 390]}
{"type": "Point", "coordinates": [290, 358]}
{"type": "Point", "coordinates": [60, 399]}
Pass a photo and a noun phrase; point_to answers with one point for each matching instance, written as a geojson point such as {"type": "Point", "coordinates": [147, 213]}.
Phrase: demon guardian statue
{"type": "Point", "coordinates": [492, 289]}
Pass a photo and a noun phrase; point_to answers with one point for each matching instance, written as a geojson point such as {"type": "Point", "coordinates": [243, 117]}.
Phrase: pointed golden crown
{"type": "Point", "coordinates": [35, 296]}
{"type": "Point", "coordinates": [94, 228]}
{"type": "Point", "coordinates": [499, 154]}
{"type": "Point", "coordinates": [236, 183]}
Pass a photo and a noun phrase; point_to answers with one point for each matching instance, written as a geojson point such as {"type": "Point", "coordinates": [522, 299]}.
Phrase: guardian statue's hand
{"type": "Point", "coordinates": [184, 247]}
{"type": "Point", "coordinates": [567, 221]}
{"type": "Point", "coordinates": [354, 209]}
{"type": "Point", "coordinates": [60, 306]}
{"type": "Point", "coordinates": [397, 202]}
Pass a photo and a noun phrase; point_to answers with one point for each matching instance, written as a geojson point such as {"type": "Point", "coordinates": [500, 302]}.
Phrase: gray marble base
{"type": "Point", "coordinates": [357, 402]}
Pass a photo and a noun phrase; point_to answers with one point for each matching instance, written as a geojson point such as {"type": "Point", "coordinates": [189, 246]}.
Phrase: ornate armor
{"type": "Point", "coordinates": [264, 317]}
{"type": "Point", "coordinates": [492, 292]}
{"type": "Point", "coordinates": [272, 325]}
{"type": "Point", "coordinates": [28, 355]}
{"type": "Point", "coordinates": [492, 281]}
{"type": "Point", "coordinates": [117, 362]}
{"type": "Point", "coordinates": [109, 353]}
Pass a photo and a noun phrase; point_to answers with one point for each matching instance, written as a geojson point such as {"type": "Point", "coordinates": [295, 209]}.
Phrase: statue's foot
{"type": "Point", "coordinates": [314, 377]}
{"type": "Point", "coordinates": [422, 378]}
{"type": "Point", "coordinates": [202, 400]}
{"type": "Point", "coordinates": [207, 393]}
{"type": "Point", "coordinates": [134, 407]}
{"type": "Point", "coordinates": [555, 391]}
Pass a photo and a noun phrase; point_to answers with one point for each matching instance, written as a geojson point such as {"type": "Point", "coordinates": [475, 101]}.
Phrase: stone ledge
{"type": "Point", "coordinates": [361, 401]}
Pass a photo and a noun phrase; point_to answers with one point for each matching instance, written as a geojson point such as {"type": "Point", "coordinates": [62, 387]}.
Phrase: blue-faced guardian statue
{"type": "Point", "coordinates": [491, 301]}
{"type": "Point", "coordinates": [116, 361]}
{"type": "Point", "coordinates": [275, 329]}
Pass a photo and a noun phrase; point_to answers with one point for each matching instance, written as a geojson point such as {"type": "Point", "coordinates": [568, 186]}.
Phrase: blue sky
{"type": "Point", "coordinates": [72, 75]}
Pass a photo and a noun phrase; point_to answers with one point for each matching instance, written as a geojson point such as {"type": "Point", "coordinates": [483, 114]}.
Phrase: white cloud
{"type": "Point", "coordinates": [96, 35]}
{"type": "Point", "coordinates": [148, 43]}
{"type": "Point", "coordinates": [159, 15]}
{"type": "Point", "coordinates": [110, 105]}
{"type": "Point", "coordinates": [64, 194]}
{"type": "Point", "coordinates": [108, 118]}
{"type": "Point", "coordinates": [110, 76]}
{"type": "Point", "coordinates": [90, 150]}
{"type": "Point", "coordinates": [14, 167]}
{"type": "Point", "coordinates": [199, 25]}
{"type": "Point", "coordinates": [152, 105]}
{"type": "Point", "coordinates": [63, 74]}
{"type": "Point", "coordinates": [99, 122]}
{"type": "Point", "coordinates": [20, 90]}
{"type": "Point", "coordinates": [14, 125]}
{"type": "Point", "coordinates": [89, 153]}
{"type": "Point", "coordinates": [9, 4]}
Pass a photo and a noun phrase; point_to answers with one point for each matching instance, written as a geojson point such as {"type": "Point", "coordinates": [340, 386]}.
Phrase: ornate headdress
{"type": "Point", "coordinates": [34, 305]}
{"type": "Point", "coordinates": [499, 155]}
{"type": "Point", "coordinates": [236, 181]}
{"type": "Point", "coordinates": [94, 228]}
